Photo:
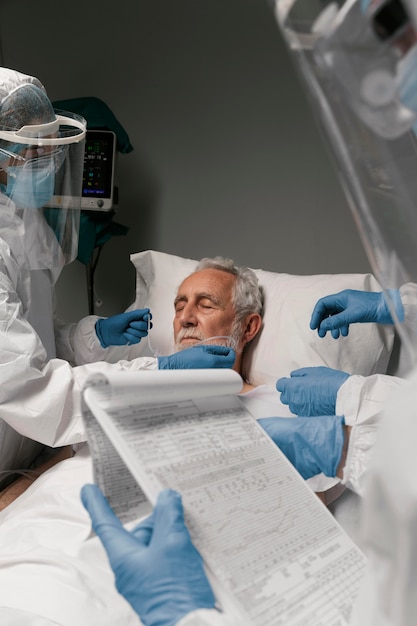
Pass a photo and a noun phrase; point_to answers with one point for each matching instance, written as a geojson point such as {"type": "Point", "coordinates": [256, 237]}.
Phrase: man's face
{"type": "Point", "coordinates": [203, 308]}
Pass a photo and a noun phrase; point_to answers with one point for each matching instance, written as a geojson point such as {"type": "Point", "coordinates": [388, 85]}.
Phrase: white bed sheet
{"type": "Point", "coordinates": [52, 569]}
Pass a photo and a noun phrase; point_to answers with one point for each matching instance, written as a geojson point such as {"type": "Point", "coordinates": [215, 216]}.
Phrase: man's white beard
{"type": "Point", "coordinates": [188, 332]}
{"type": "Point", "coordinates": [229, 341]}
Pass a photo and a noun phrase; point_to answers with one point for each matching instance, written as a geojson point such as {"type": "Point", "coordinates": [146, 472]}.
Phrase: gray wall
{"type": "Point", "coordinates": [227, 156]}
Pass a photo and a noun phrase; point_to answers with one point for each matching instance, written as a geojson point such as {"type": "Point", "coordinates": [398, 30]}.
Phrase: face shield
{"type": "Point", "coordinates": [41, 175]}
{"type": "Point", "coordinates": [358, 62]}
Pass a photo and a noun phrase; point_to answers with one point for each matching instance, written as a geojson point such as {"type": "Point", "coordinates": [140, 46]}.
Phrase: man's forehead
{"type": "Point", "coordinates": [208, 280]}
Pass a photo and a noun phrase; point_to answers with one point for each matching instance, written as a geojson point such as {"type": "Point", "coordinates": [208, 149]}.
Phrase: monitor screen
{"type": "Point", "coordinates": [98, 176]}
{"type": "Point", "coordinates": [98, 173]}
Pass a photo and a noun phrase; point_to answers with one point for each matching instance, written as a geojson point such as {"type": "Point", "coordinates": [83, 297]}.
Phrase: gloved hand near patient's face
{"type": "Point", "coordinates": [334, 313]}
{"type": "Point", "coordinates": [312, 444]}
{"type": "Point", "coordinates": [311, 390]}
{"type": "Point", "coordinates": [124, 329]}
{"type": "Point", "coordinates": [157, 568]}
{"type": "Point", "coordinates": [198, 357]}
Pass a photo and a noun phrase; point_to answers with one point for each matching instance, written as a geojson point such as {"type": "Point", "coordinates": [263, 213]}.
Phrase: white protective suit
{"type": "Point", "coordinates": [389, 520]}
{"type": "Point", "coordinates": [361, 399]}
{"type": "Point", "coordinates": [40, 393]}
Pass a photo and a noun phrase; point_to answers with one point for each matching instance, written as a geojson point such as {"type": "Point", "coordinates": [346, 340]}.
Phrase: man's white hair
{"type": "Point", "coordinates": [247, 296]}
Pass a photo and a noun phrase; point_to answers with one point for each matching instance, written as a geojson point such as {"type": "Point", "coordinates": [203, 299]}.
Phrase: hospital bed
{"type": "Point", "coordinates": [50, 564]}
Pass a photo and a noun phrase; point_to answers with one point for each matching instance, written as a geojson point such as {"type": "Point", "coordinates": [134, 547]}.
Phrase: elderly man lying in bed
{"type": "Point", "coordinates": [218, 304]}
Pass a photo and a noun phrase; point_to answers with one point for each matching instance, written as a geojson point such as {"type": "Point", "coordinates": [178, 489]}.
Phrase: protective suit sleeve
{"type": "Point", "coordinates": [49, 406]}
{"type": "Point", "coordinates": [408, 294]}
{"type": "Point", "coordinates": [207, 617]}
{"type": "Point", "coordinates": [16, 617]}
{"type": "Point", "coordinates": [389, 520]}
{"type": "Point", "coordinates": [78, 343]}
{"type": "Point", "coordinates": [41, 399]}
{"type": "Point", "coordinates": [360, 400]}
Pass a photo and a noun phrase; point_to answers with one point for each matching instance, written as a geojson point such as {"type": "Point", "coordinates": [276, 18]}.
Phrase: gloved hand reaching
{"type": "Point", "coordinates": [198, 357]}
{"type": "Point", "coordinates": [123, 329]}
{"type": "Point", "coordinates": [311, 390]}
{"type": "Point", "coordinates": [334, 313]}
{"type": "Point", "coordinates": [312, 444]}
{"type": "Point", "coordinates": [157, 568]}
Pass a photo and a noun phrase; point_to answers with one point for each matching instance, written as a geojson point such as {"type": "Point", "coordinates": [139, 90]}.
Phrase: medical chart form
{"type": "Point", "coordinates": [266, 539]}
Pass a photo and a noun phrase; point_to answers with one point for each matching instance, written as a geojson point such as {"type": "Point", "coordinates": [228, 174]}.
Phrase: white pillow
{"type": "Point", "coordinates": [286, 341]}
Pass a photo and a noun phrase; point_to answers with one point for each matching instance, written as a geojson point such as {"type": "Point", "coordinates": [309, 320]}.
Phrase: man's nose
{"type": "Point", "coordinates": [188, 315]}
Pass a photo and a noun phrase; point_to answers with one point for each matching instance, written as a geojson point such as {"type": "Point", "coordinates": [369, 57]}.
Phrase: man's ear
{"type": "Point", "coordinates": [252, 326]}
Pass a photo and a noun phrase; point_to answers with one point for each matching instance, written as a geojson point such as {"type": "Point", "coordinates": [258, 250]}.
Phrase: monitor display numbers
{"type": "Point", "coordinates": [98, 176]}
{"type": "Point", "coordinates": [97, 170]}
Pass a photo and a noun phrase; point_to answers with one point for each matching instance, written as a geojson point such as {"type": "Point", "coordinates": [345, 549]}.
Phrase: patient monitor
{"type": "Point", "coordinates": [99, 166]}
{"type": "Point", "coordinates": [98, 186]}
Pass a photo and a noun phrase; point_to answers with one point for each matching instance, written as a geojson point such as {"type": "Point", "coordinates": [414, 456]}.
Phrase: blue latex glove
{"type": "Point", "coordinates": [198, 357]}
{"type": "Point", "coordinates": [123, 329]}
{"type": "Point", "coordinates": [157, 568]}
{"type": "Point", "coordinates": [334, 313]}
{"type": "Point", "coordinates": [311, 390]}
{"type": "Point", "coordinates": [312, 444]}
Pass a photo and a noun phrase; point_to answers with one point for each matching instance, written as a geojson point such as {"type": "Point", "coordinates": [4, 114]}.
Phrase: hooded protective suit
{"type": "Point", "coordinates": [40, 151]}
